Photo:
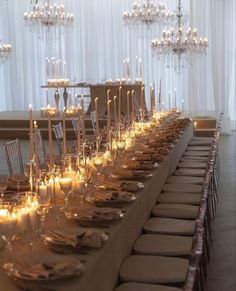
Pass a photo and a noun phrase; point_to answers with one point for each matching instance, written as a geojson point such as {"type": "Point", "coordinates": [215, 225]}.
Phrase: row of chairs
{"type": "Point", "coordinates": [14, 154]}
{"type": "Point", "coordinates": [173, 251]}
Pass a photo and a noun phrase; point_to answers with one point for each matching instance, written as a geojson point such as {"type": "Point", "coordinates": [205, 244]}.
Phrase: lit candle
{"type": "Point", "coordinates": [159, 99]}
{"type": "Point", "coordinates": [142, 103]}
{"type": "Point", "coordinates": [182, 105]}
{"type": "Point", "coordinates": [128, 113]}
{"type": "Point", "coordinates": [108, 118]}
{"type": "Point", "coordinates": [119, 105]}
{"type": "Point", "coordinates": [115, 112]}
{"type": "Point", "coordinates": [50, 136]}
{"type": "Point", "coordinates": [83, 118]}
{"type": "Point", "coordinates": [64, 131]}
{"type": "Point", "coordinates": [132, 102]}
{"type": "Point", "coordinates": [78, 132]}
{"type": "Point", "coordinates": [31, 153]}
{"type": "Point", "coordinates": [96, 116]}
{"type": "Point", "coordinates": [152, 98]}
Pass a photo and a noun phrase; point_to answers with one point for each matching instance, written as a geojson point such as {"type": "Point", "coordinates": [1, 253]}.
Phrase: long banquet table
{"type": "Point", "coordinates": [102, 266]}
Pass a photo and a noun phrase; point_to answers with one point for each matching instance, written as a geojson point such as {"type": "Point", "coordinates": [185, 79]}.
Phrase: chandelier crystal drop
{"type": "Point", "coordinates": [178, 46]}
{"type": "Point", "coordinates": [5, 51]}
{"type": "Point", "coordinates": [144, 15]}
{"type": "Point", "coordinates": [47, 17]}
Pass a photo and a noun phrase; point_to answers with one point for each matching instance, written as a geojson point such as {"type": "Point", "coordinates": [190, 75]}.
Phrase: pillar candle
{"type": "Point", "coordinates": [83, 118]}
{"type": "Point", "coordinates": [132, 102]}
{"type": "Point", "coordinates": [115, 111]}
{"type": "Point", "coordinates": [128, 109]}
{"type": "Point", "coordinates": [96, 116]}
{"type": "Point", "coordinates": [78, 132]}
{"type": "Point", "coordinates": [182, 105]}
{"type": "Point", "coordinates": [31, 152]}
{"type": "Point", "coordinates": [64, 131]}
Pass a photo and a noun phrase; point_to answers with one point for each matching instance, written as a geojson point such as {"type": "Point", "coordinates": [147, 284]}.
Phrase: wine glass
{"type": "Point", "coordinates": [66, 187]}
{"type": "Point", "coordinates": [3, 185]}
{"type": "Point", "coordinates": [85, 170]}
{"type": "Point", "coordinates": [44, 199]}
{"type": "Point", "coordinates": [98, 162]}
{"type": "Point", "coordinates": [8, 221]}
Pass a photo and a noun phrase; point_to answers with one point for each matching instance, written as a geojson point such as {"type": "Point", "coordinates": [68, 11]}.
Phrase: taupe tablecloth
{"type": "Point", "coordinates": [100, 91]}
{"type": "Point", "coordinates": [103, 265]}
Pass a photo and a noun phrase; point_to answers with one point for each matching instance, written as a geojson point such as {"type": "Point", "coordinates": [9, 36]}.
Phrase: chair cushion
{"type": "Point", "coordinates": [169, 226]}
{"type": "Point", "coordinates": [202, 138]}
{"type": "Point", "coordinates": [198, 148]}
{"type": "Point", "coordinates": [197, 153]}
{"type": "Point", "coordinates": [163, 245]}
{"type": "Point", "coordinates": [153, 269]}
{"type": "Point", "coordinates": [189, 188]}
{"type": "Point", "coordinates": [194, 158]}
{"type": "Point", "coordinates": [191, 165]}
{"type": "Point", "coordinates": [185, 180]}
{"type": "Point", "coordinates": [190, 172]}
{"type": "Point", "coordinates": [179, 198]}
{"type": "Point", "coordinates": [144, 287]}
{"type": "Point", "coordinates": [182, 211]}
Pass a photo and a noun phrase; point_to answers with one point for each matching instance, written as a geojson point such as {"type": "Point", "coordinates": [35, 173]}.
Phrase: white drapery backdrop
{"type": "Point", "coordinates": [96, 46]}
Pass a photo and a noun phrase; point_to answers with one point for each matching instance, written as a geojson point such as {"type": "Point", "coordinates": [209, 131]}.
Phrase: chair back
{"type": "Point", "coordinates": [58, 131]}
{"type": "Point", "coordinates": [39, 148]}
{"type": "Point", "coordinates": [14, 157]}
{"type": "Point", "coordinates": [93, 120]}
{"type": "Point", "coordinates": [75, 125]}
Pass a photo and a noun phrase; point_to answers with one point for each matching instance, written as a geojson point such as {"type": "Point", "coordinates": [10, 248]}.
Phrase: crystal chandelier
{"type": "Point", "coordinates": [48, 17]}
{"type": "Point", "coordinates": [5, 51]}
{"type": "Point", "coordinates": [179, 47]}
{"type": "Point", "coordinates": [144, 15]}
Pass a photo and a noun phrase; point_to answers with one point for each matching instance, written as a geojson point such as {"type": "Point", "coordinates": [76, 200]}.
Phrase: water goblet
{"type": "Point", "coordinates": [3, 185]}
{"type": "Point", "coordinates": [66, 186]}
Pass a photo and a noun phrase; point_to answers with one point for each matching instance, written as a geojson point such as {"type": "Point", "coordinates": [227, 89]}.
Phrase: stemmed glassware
{"type": "Point", "coordinates": [85, 169]}
{"type": "Point", "coordinates": [66, 187]}
{"type": "Point", "coordinates": [44, 200]}
{"type": "Point", "coordinates": [3, 185]}
{"type": "Point", "coordinates": [8, 222]}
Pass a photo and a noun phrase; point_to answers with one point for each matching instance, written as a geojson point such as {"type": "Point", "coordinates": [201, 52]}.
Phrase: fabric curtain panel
{"type": "Point", "coordinates": [99, 41]}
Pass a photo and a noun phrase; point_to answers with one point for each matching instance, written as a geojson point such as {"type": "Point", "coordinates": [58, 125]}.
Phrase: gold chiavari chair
{"type": "Point", "coordinates": [14, 157]}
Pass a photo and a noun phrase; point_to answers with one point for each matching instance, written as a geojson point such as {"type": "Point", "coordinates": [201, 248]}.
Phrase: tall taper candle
{"type": "Point", "coordinates": [50, 137]}
{"type": "Point", "coordinates": [115, 111]}
{"type": "Point", "coordinates": [128, 109]}
{"type": "Point", "coordinates": [159, 98]}
{"type": "Point", "coordinates": [119, 105]}
{"type": "Point", "coordinates": [96, 116]}
{"type": "Point", "coordinates": [132, 103]}
{"type": "Point", "coordinates": [31, 151]}
{"type": "Point", "coordinates": [64, 131]}
{"type": "Point", "coordinates": [78, 132]}
{"type": "Point", "coordinates": [175, 97]}
{"type": "Point", "coordinates": [83, 118]}
{"type": "Point", "coordinates": [152, 98]}
{"type": "Point", "coordinates": [108, 119]}
{"type": "Point", "coordinates": [142, 102]}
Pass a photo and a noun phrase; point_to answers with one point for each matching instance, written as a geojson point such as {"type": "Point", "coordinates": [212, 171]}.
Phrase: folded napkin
{"type": "Point", "coordinates": [138, 165]}
{"type": "Point", "coordinates": [44, 270]}
{"type": "Point", "coordinates": [130, 186]}
{"type": "Point", "coordinates": [88, 238]}
{"type": "Point", "coordinates": [97, 214]}
{"type": "Point", "coordinates": [113, 196]}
